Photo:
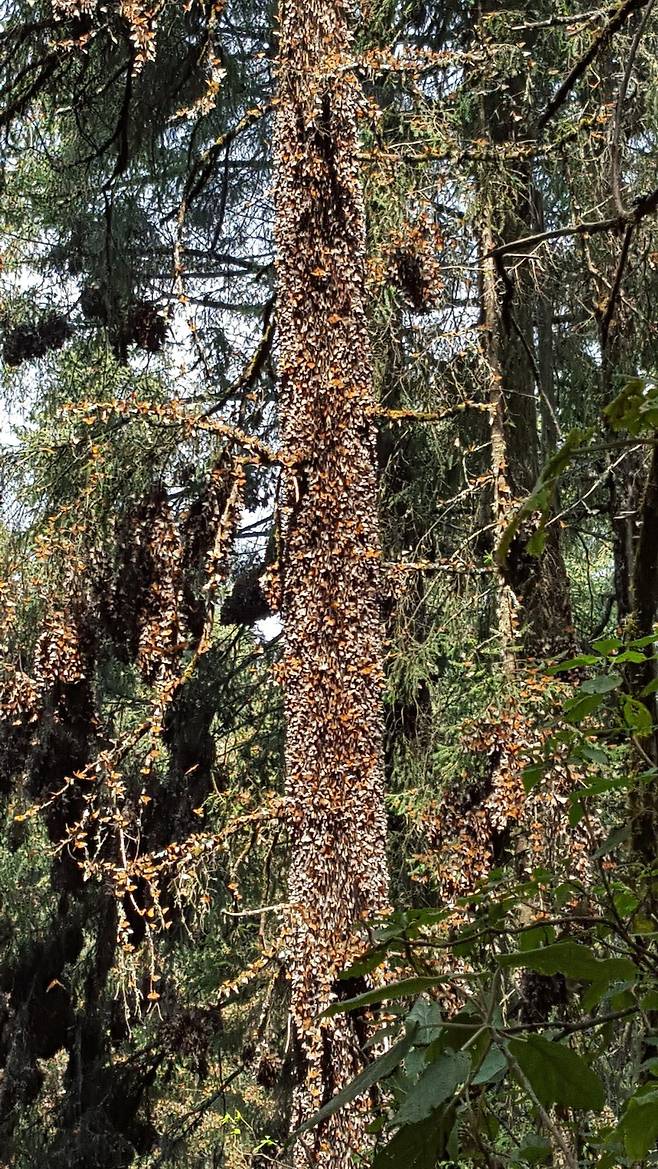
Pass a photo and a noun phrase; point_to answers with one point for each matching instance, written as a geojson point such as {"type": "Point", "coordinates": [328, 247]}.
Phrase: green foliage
{"type": "Point", "coordinates": [377, 1070]}
{"type": "Point", "coordinates": [635, 408]}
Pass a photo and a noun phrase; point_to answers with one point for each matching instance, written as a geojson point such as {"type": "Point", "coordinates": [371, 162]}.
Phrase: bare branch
{"type": "Point", "coordinates": [644, 206]}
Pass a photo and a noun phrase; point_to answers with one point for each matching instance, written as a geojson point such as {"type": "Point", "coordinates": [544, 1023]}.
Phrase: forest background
{"type": "Point", "coordinates": [328, 580]}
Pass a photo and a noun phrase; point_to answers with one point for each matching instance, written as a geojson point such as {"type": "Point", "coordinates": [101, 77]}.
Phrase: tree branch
{"type": "Point", "coordinates": [609, 313]}
{"type": "Point", "coordinates": [626, 9]}
{"type": "Point", "coordinates": [428, 415]}
{"type": "Point", "coordinates": [644, 205]}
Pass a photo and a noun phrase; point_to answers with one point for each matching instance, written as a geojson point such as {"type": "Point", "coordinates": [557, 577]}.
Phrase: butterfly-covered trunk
{"type": "Point", "coordinates": [330, 561]}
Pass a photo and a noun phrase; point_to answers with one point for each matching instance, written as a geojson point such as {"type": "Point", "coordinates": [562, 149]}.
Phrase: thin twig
{"type": "Point", "coordinates": [593, 227]}
{"type": "Point", "coordinates": [409, 415]}
{"type": "Point", "coordinates": [645, 205]}
{"type": "Point", "coordinates": [259, 909]}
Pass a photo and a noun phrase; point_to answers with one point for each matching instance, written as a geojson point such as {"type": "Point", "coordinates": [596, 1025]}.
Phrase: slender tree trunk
{"type": "Point", "coordinates": [550, 428]}
{"type": "Point", "coordinates": [534, 611]}
{"type": "Point", "coordinates": [644, 802]}
{"type": "Point", "coordinates": [502, 494]}
{"type": "Point", "coordinates": [534, 614]}
{"type": "Point", "coordinates": [534, 603]}
{"type": "Point", "coordinates": [332, 667]}
{"type": "Point", "coordinates": [626, 475]}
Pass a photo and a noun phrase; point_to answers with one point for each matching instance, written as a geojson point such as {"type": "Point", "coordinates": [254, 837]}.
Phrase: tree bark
{"type": "Point", "coordinates": [332, 664]}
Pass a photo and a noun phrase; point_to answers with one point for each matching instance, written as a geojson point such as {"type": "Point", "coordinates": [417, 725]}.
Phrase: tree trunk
{"type": "Point", "coordinates": [626, 476]}
{"type": "Point", "coordinates": [644, 802]}
{"type": "Point", "coordinates": [534, 602]}
{"type": "Point", "coordinates": [332, 667]}
{"type": "Point", "coordinates": [534, 611]}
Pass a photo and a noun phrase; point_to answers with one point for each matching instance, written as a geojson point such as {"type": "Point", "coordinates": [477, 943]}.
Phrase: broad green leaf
{"type": "Point", "coordinates": [643, 925]}
{"type": "Point", "coordinates": [414, 1066]}
{"type": "Point", "coordinates": [578, 708]}
{"type": "Point", "coordinates": [572, 959]}
{"type": "Point", "coordinates": [642, 642]}
{"type": "Point", "coordinates": [577, 810]}
{"type": "Point", "coordinates": [493, 1063]}
{"type": "Point", "coordinates": [607, 645]}
{"type": "Point", "coordinates": [436, 1085]}
{"type": "Point", "coordinates": [592, 753]}
{"type": "Point", "coordinates": [598, 786]}
{"type": "Point", "coordinates": [533, 1150]}
{"type": "Point", "coordinates": [573, 663]}
{"type": "Point", "coordinates": [602, 684]}
{"type": "Point", "coordinates": [378, 1070]}
{"type": "Point", "coordinates": [626, 901]}
{"type": "Point", "coordinates": [648, 416]}
{"type": "Point", "coordinates": [381, 1035]}
{"type": "Point", "coordinates": [608, 1161]}
{"type": "Point", "coordinates": [393, 990]}
{"type": "Point", "coordinates": [541, 498]}
{"type": "Point", "coordinates": [425, 916]}
{"type": "Point", "coordinates": [650, 1065]}
{"type": "Point", "coordinates": [426, 1013]}
{"type": "Point", "coordinates": [533, 774]}
{"type": "Point", "coordinates": [618, 995]}
{"type": "Point", "coordinates": [625, 411]}
{"type": "Point", "coordinates": [416, 1146]}
{"type": "Point", "coordinates": [536, 935]}
{"type": "Point", "coordinates": [367, 963]}
{"type": "Point", "coordinates": [631, 655]}
{"type": "Point", "coordinates": [638, 1127]}
{"type": "Point", "coordinates": [376, 1125]}
{"type": "Point", "coordinates": [637, 716]}
{"type": "Point", "coordinates": [613, 840]}
{"type": "Point", "coordinates": [557, 1074]}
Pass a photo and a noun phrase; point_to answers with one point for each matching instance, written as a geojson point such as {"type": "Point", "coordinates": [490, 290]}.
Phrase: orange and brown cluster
{"type": "Point", "coordinates": [492, 820]}
{"type": "Point", "coordinates": [161, 635]}
{"type": "Point", "coordinates": [413, 264]}
{"type": "Point", "coordinates": [146, 602]}
{"type": "Point", "coordinates": [25, 342]}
